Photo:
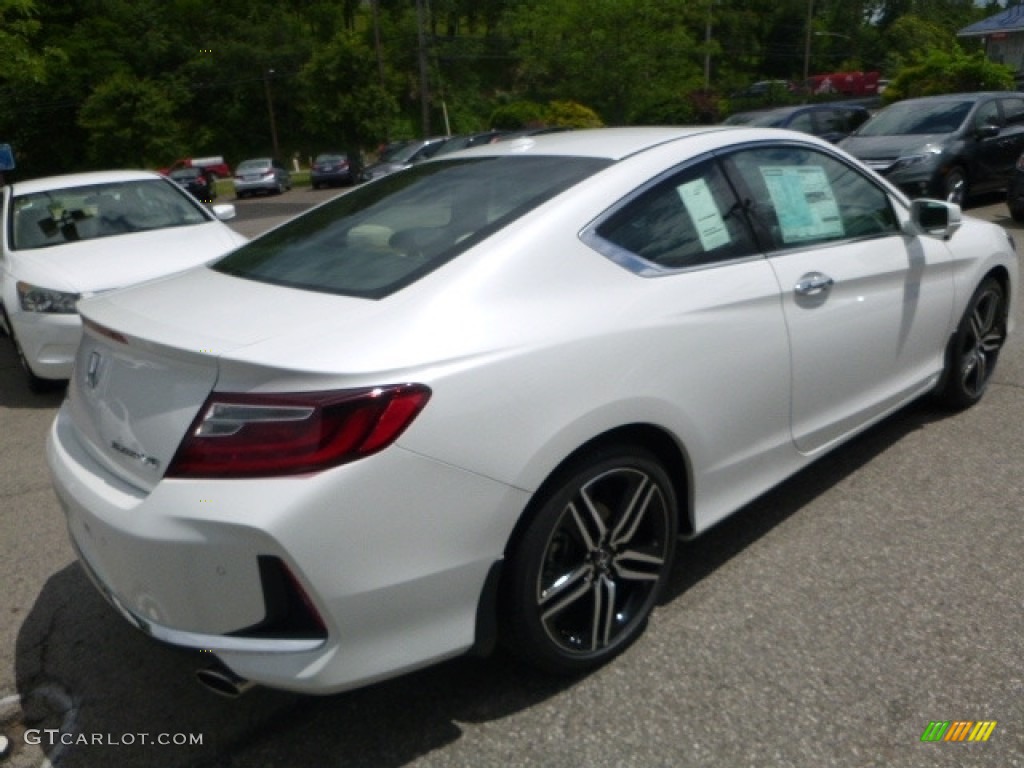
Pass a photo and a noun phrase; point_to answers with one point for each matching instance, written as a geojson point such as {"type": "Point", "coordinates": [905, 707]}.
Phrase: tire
{"type": "Point", "coordinates": [955, 187]}
{"type": "Point", "coordinates": [974, 349]}
{"type": "Point", "coordinates": [586, 572]}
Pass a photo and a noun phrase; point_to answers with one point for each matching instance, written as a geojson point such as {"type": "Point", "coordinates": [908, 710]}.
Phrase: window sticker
{"type": "Point", "coordinates": [804, 202]}
{"type": "Point", "coordinates": [701, 206]}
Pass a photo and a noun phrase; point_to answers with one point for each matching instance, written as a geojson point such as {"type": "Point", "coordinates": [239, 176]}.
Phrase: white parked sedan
{"type": "Point", "coordinates": [68, 237]}
{"type": "Point", "coordinates": [481, 398]}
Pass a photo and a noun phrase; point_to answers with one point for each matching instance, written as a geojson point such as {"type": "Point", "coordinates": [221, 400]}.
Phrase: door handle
{"type": "Point", "coordinates": [813, 283]}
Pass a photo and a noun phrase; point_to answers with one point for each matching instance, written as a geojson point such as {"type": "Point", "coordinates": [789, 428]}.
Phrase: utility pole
{"type": "Point", "coordinates": [807, 44]}
{"type": "Point", "coordinates": [270, 111]}
{"type": "Point", "coordinates": [424, 80]}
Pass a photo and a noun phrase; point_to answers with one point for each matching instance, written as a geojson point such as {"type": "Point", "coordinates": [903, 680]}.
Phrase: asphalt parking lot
{"type": "Point", "coordinates": [826, 624]}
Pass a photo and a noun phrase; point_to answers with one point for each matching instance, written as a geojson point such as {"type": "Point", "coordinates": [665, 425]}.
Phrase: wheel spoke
{"type": "Point", "coordinates": [565, 592]}
{"type": "Point", "coordinates": [634, 512]}
{"type": "Point", "coordinates": [582, 518]}
{"type": "Point", "coordinates": [624, 571]}
{"type": "Point", "coordinates": [604, 613]}
{"type": "Point", "coordinates": [992, 342]}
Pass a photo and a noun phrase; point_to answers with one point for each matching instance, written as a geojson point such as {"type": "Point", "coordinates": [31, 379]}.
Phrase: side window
{"type": "Point", "coordinates": [1013, 111]}
{"type": "Point", "coordinates": [797, 196]}
{"type": "Point", "coordinates": [987, 114]}
{"type": "Point", "coordinates": [691, 219]}
{"type": "Point", "coordinates": [855, 118]}
{"type": "Point", "coordinates": [802, 122]}
{"type": "Point", "coordinates": [830, 121]}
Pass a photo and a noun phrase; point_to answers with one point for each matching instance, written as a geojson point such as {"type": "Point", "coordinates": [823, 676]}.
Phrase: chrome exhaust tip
{"type": "Point", "coordinates": [222, 681]}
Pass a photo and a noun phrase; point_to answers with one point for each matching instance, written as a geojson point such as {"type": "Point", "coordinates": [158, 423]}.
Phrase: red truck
{"type": "Point", "coordinates": [214, 166]}
{"type": "Point", "coordinates": [845, 83]}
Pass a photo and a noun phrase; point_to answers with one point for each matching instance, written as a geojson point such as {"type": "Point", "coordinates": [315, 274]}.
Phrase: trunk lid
{"type": "Point", "coordinates": [147, 363]}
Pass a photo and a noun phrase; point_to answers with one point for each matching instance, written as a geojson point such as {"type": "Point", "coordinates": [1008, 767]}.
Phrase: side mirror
{"type": "Point", "coordinates": [224, 211]}
{"type": "Point", "coordinates": [987, 131]}
{"type": "Point", "coordinates": [937, 218]}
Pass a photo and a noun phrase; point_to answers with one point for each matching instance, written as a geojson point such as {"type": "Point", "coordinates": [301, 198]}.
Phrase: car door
{"type": "Point", "coordinates": [713, 313]}
{"type": "Point", "coordinates": [868, 308]}
{"type": "Point", "coordinates": [1011, 134]}
{"type": "Point", "coordinates": [996, 145]}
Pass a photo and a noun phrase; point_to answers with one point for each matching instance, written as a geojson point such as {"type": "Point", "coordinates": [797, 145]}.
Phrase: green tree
{"type": "Point", "coordinates": [344, 103]}
{"type": "Point", "coordinates": [953, 71]}
{"type": "Point", "coordinates": [612, 55]}
{"type": "Point", "coordinates": [131, 121]}
{"type": "Point", "coordinates": [23, 62]}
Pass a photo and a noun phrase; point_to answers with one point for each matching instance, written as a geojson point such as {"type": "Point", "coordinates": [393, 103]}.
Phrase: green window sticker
{"type": "Point", "coordinates": [804, 203]}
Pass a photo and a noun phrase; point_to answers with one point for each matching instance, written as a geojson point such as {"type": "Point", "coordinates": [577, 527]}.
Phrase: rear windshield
{"type": "Point", "coordinates": [387, 234]}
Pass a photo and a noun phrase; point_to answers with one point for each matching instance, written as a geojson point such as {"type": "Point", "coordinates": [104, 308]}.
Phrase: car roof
{"type": "Point", "coordinates": [794, 108]}
{"type": "Point", "coordinates": [79, 180]}
{"type": "Point", "coordinates": [609, 143]}
{"type": "Point", "coordinates": [975, 96]}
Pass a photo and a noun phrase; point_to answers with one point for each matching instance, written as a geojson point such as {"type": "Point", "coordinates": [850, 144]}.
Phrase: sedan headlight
{"type": "Point", "coordinates": [34, 298]}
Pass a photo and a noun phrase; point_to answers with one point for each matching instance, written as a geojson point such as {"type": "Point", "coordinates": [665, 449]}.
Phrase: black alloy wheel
{"type": "Point", "coordinates": [974, 348]}
{"type": "Point", "coordinates": [591, 563]}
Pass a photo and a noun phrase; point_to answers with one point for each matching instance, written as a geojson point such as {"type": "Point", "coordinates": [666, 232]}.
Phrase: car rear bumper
{"type": "Point", "coordinates": [395, 570]}
{"type": "Point", "coordinates": [260, 185]}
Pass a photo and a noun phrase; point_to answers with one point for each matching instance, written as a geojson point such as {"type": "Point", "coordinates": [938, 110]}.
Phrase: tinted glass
{"type": "Point", "coordinates": [1013, 111]}
{"type": "Point", "coordinates": [59, 216]}
{"type": "Point", "coordinates": [385, 235]}
{"type": "Point", "coordinates": [910, 117]}
{"type": "Point", "coordinates": [798, 197]}
{"type": "Point", "coordinates": [689, 220]}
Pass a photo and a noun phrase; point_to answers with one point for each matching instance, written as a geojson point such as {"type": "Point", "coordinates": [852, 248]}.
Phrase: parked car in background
{"type": "Point", "coordinates": [404, 156]}
{"type": "Point", "coordinates": [332, 168]}
{"type": "Point", "coordinates": [1015, 192]}
{"type": "Point", "coordinates": [831, 122]}
{"type": "Point", "coordinates": [468, 140]}
{"type": "Point", "coordinates": [948, 146]}
{"type": "Point", "coordinates": [846, 83]}
{"type": "Point", "coordinates": [482, 398]}
{"type": "Point", "coordinates": [213, 165]}
{"type": "Point", "coordinates": [765, 89]}
{"type": "Point", "coordinates": [261, 174]}
{"type": "Point", "coordinates": [68, 237]}
{"type": "Point", "coordinates": [197, 181]}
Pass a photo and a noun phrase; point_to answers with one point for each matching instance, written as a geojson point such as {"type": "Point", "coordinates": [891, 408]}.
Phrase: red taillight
{"type": "Point", "coordinates": [241, 435]}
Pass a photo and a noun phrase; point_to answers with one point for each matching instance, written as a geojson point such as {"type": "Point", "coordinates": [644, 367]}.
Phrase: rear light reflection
{"type": "Point", "coordinates": [265, 435]}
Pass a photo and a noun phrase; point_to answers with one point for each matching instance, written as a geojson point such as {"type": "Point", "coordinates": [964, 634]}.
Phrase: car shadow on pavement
{"type": "Point", "coordinates": [14, 390]}
{"type": "Point", "coordinates": [95, 692]}
{"type": "Point", "coordinates": [99, 685]}
{"type": "Point", "coordinates": [695, 560]}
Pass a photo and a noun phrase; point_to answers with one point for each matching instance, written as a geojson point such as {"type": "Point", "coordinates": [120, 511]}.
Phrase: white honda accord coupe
{"type": "Point", "coordinates": [68, 237]}
{"type": "Point", "coordinates": [480, 399]}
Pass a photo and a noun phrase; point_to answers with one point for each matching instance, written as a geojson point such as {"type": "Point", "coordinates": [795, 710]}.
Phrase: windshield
{"type": "Point", "coordinates": [58, 216]}
{"type": "Point", "coordinates": [387, 234]}
{"type": "Point", "coordinates": [772, 120]}
{"type": "Point", "coordinates": [909, 118]}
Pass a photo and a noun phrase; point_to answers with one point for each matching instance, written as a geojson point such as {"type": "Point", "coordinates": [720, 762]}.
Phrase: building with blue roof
{"type": "Point", "coordinates": [1003, 37]}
